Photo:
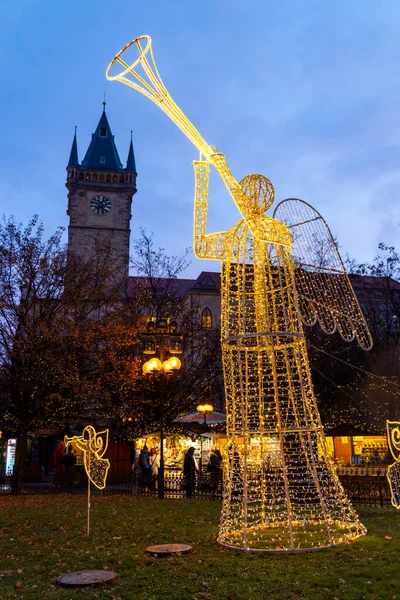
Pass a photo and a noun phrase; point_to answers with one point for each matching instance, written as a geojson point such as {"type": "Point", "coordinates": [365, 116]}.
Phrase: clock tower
{"type": "Point", "coordinates": [100, 195]}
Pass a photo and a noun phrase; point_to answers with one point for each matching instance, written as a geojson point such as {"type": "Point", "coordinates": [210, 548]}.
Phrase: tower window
{"type": "Point", "coordinates": [102, 160]}
{"type": "Point", "coordinates": [206, 318]}
{"type": "Point", "coordinates": [103, 132]}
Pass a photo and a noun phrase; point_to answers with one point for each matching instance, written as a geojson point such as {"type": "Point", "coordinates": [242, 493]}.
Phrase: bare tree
{"type": "Point", "coordinates": [53, 309]}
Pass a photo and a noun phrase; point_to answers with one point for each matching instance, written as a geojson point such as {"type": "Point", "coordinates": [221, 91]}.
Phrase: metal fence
{"type": "Point", "coordinates": [371, 489]}
{"type": "Point", "coordinates": [121, 480]}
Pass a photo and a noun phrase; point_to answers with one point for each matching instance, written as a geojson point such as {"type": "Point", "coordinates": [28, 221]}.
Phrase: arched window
{"type": "Point", "coordinates": [206, 318]}
{"type": "Point", "coordinates": [103, 132]}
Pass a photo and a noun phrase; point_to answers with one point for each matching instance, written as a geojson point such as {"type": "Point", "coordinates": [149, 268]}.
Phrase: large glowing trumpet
{"type": "Point", "coordinates": [140, 72]}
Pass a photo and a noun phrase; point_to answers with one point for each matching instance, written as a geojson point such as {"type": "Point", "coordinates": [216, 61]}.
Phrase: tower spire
{"type": "Point", "coordinates": [130, 163]}
{"type": "Point", "coordinates": [73, 157]}
{"type": "Point", "coordinates": [102, 152]}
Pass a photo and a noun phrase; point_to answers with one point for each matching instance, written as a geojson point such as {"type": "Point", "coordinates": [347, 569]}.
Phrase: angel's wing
{"type": "Point", "coordinates": [323, 286]}
{"type": "Point", "coordinates": [393, 435]}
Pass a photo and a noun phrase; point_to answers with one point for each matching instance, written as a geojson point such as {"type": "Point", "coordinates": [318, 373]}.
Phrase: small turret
{"type": "Point", "coordinates": [73, 157]}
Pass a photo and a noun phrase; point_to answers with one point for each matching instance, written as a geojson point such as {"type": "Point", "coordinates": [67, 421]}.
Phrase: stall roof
{"type": "Point", "coordinates": [197, 417]}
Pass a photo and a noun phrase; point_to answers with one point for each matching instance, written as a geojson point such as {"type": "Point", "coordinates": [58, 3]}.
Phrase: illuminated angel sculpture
{"type": "Point", "coordinates": [93, 446]}
{"type": "Point", "coordinates": [281, 491]}
{"type": "Point", "coordinates": [393, 472]}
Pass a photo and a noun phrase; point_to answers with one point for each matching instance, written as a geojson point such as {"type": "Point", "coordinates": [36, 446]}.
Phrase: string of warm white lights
{"type": "Point", "coordinates": [345, 362]}
{"type": "Point", "coordinates": [281, 489]}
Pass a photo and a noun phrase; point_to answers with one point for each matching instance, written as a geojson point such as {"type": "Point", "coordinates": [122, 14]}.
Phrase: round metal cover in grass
{"type": "Point", "coordinates": [167, 549]}
{"type": "Point", "coordinates": [81, 578]}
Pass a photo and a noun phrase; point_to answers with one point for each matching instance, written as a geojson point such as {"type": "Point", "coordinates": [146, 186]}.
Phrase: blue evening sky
{"type": "Point", "coordinates": [306, 92]}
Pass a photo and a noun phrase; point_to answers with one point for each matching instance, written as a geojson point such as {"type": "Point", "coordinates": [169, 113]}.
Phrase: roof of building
{"type": "Point", "coordinates": [210, 282]}
{"type": "Point", "coordinates": [102, 153]}
{"type": "Point", "coordinates": [207, 281]}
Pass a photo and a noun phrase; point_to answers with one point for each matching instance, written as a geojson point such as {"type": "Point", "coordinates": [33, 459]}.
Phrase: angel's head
{"type": "Point", "coordinates": [260, 193]}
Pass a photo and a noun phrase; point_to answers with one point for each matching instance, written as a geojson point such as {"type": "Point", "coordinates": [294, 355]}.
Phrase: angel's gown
{"type": "Point", "coordinates": [281, 490]}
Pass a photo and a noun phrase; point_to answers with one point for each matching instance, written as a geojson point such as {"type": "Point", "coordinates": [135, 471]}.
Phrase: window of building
{"type": "Point", "coordinates": [206, 318]}
{"type": "Point", "coordinates": [102, 160]}
{"type": "Point", "coordinates": [207, 282]}
{"type": "Point", "coordinates": [103, 132]}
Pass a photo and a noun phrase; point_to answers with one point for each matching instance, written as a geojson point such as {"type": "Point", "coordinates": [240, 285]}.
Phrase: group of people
{"type": "Point", "coordinates": [64, 462]}
{"type": "Point", "coordinates": [145, 468]}
{"type": "Point", "coordinates": [191, 471]}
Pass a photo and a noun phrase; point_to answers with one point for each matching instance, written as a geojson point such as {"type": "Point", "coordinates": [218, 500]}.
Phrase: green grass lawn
{"type": "Point", "coordinates": [42, 537]}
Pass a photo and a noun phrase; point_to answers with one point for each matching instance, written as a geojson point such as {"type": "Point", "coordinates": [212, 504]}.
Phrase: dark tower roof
{"type": "Point", "coordinates": [102, 153]}
{"type": "Point", "coordinates": [73, 157]}
{"type": "Point", "coordinates": [130, 163]}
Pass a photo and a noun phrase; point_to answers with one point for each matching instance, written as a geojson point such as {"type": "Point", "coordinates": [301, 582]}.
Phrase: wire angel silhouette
{"type": "Point", "coordinates": [93, 446]}
{"type": "Point", "coordinates": [281, 489]}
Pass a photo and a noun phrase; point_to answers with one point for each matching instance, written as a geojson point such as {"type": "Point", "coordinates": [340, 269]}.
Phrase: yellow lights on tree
{"type": "Point", "coordinates": [93, 445]}
{"type": "Point", "coordinates": [393, 472]}
{"type": "Point", "coordinates": [281, 490]}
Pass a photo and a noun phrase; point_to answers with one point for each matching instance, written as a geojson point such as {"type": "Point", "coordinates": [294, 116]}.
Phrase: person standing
{"type": "Point", "coordinates": [154, 463]}
{"type": "Point", "coordinates": [144, 467]}
{"type": "Point", "coordinates": [189, 472]}
{"type": "Point", "coordinates": [69, 461]}
{"type": "Point", "coordinates": [215, 470]}
{"type": "Point", "coordinates": [58, 464]}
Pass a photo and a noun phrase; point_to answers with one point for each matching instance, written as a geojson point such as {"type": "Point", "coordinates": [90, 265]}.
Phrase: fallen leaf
{"type": "Point", "coordinates": [388, 537]}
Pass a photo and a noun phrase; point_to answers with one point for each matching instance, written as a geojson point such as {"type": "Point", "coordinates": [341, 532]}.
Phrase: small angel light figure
{"type": "Point", "coordinates": [94, 447]}
{"type": "Point", "coordinates": [393, 472]}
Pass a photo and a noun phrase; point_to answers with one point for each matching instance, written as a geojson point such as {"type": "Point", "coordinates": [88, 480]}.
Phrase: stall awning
{"type": "Point", "coordinates": [197, 417]}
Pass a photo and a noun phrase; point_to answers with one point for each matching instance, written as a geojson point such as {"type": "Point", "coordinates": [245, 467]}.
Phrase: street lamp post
{"type": "Point", "coordinates": [204, 409]}
{"type": "Point", "coordinates": [162, 337]}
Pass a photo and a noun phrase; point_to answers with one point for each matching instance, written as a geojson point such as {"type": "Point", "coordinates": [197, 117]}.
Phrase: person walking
{"type": "Point", "coordinates": [189, 472]}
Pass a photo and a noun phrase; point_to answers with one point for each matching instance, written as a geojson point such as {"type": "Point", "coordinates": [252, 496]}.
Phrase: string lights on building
{"type": "Point", "coordinates": [281, 489]}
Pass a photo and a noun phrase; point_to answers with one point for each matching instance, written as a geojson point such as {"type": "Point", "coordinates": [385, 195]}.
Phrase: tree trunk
{"type": "Point", "coordinates": [20, 460]}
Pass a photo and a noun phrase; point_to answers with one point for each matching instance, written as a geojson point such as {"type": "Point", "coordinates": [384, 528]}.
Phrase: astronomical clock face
{"type": "Point", "coordinates": [100, 205]}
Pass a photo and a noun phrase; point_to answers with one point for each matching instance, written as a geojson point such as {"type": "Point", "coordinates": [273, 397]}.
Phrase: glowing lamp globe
{"type": "Point", "coordinates": [155, 364]}
{"type": "Point", "coordinates": [175, 362]}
